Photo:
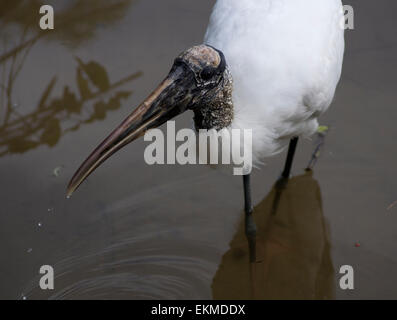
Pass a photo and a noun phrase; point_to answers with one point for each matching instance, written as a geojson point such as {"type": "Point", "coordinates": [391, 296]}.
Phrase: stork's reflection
{"type": "Point", "coordinates": [290, 257]}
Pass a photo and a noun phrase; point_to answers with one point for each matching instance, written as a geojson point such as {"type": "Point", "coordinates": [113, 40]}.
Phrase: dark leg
{"type": "Point", "coordinates": [247, 195]}
{"type": "Point", "coordinates": [250, 227]}
{"type": "Point", "coordinates": [290, 157]}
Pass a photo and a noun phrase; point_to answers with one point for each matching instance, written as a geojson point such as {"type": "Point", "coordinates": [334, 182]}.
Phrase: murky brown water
{"type": "Point", "coordinates": [134, 231]}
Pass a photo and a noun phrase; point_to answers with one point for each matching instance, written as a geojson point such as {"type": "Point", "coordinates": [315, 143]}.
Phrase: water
{"type": "Point", "coordinates": [133, 231]}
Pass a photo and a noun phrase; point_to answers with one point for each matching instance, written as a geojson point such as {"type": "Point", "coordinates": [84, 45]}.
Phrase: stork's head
{"type": "Point", "coordinates": [199, 80]}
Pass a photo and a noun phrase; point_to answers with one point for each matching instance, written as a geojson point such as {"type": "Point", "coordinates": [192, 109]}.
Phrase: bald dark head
{"type": "Point", "coordinates": [206, 62]}
{"type": "Point", "coordinates": [202, 56]}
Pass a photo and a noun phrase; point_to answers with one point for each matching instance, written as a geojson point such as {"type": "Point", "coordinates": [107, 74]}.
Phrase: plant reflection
{"type": "Point", "coordinates": [55, 116]}
{"type": "Point", "coordinates": [293, 259]}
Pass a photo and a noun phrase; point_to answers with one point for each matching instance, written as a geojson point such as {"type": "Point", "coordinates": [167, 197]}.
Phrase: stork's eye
{"type": "Point", "coordinates": [207, 73]}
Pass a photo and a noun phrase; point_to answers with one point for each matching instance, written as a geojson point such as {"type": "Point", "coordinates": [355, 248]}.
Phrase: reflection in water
{"type": "Point", "coordinates": [293, 259]}
{"type": "Point", "coordinates": [53, 117]}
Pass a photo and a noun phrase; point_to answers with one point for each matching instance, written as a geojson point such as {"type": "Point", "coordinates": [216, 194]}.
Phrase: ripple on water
{"type": "Point", "coordinates": [129, 270]}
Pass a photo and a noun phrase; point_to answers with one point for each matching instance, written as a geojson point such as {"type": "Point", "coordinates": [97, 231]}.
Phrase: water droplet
{"type": "Point", "coordinates": [57, 171]}
{"type": "Point", "coordinates": [24, 298]}
{"type": "Point", "coordinates": [29, 250]}
{"type": "Point", "coordinates": [40, 224]}
{"type": "Point", "coordinates": [51, 210]}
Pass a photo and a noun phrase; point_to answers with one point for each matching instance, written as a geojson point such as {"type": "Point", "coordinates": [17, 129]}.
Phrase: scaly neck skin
{"type": "Point", "coordinates": [216, 112]}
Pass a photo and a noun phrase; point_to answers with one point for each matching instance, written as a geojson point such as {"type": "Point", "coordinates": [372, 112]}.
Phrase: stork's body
{"type": "Point", "coordinates": [285, 57]}
{"type": "Point", "coordinates": [267, 65]}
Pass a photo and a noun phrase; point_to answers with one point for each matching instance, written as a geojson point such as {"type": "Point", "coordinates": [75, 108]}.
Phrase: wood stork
{"type": "Point", "coordinates": [268, 65]}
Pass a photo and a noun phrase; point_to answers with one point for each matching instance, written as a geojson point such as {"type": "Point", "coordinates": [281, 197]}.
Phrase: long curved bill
{"type": "Point", "coordinates": [166, 102]}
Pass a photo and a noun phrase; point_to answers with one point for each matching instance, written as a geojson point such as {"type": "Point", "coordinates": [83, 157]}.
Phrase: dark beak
{"type": "Point", "coordinates": [170, 99]}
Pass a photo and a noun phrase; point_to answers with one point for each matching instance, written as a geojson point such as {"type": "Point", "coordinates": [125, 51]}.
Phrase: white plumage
{"type": "Point", "coordinates": [285, 57]}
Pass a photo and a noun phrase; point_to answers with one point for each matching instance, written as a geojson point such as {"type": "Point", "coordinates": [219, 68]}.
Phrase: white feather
{"type": "Point", "coordinates": [285, 57]}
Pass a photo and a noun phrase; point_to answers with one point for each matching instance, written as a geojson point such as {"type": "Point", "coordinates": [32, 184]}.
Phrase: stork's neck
{"type": "Point", "coordinates": [216, 111]}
